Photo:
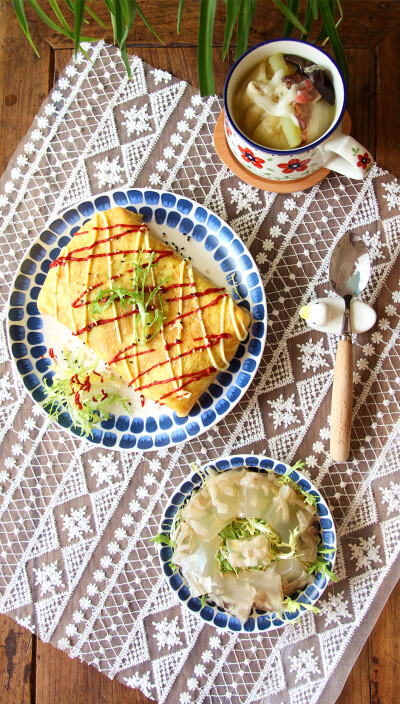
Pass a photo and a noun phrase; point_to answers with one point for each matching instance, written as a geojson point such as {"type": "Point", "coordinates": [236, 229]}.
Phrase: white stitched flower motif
{"type": "Point", "coordinates": [167, 633]}
{"type": "Point", "coordinates": [137, 120]}
{"type": "Point", "coordinates": [48, 578]}
{"type": "Point", "coordinates": [392, 194]}
{"type": "Point", "coordinates": [335, 608]}
{"type": "Point", "coordinates": [245, 197]}
{"type": "Point", "coordinates": [284, 411]}
{"type": "Point", "coordinates": [108, 172]}
{"type": "Point", "coordinates": [313, 355]}
{"type": "Point", "coordinates": [304, 664]}
{"type": "Point", "coordinates": [105, 469]}
{"type": "Point", "coordinates": [160, 76]}
{"type": "Point", "coordinates": [77, 523]}
{"type": "Point", "coordinates": [391, 497]}
{"type": "Point", "coordinates": [365, 553]}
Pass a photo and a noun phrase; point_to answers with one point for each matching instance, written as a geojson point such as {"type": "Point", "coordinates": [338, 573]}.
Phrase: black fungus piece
{"type": "Point", "coordinates": [317, 75]}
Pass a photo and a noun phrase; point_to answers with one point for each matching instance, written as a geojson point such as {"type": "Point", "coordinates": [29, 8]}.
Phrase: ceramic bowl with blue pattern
{"type": "Point", "coordinates": [259, 621]}
{"type": "Point", "coordinates": [216, 251]}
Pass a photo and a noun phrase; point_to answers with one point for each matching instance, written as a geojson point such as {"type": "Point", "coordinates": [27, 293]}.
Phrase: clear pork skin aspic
{"type": "Point", "coordinates": [144, 309]}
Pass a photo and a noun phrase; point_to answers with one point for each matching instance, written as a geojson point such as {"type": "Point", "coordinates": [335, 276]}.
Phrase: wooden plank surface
{"type": "Point", "coordinates": [36, 673]}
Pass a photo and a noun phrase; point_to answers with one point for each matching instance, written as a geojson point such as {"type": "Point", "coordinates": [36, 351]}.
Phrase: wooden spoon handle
{"type": "Point", "coordinates": [342, 402]}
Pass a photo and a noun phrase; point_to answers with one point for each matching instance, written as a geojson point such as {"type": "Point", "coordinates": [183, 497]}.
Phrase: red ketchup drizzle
{"type": "Point", "coordinates": [118, 357]}
{"type": "Point", "coordinates": [196, 310]}
{"type": "Point", "coordinates": [192, 375]}
{"type": "Point", "coordinates": [141, 400]}
{"type": "Point", "coordinates": [220, 336]}
{"type": "Point", "coordinates": [173, 359]}
{"type": "Point", "coordinates": [103, 321]}
{"type": "Point", "coordinates": [188, 296]}
{"type": "Point", "coordinates": [51, 353]}
{"type": "Point", "coordinates": [60, 261]}
{"type": "Point", "coordinates": [199, 375]}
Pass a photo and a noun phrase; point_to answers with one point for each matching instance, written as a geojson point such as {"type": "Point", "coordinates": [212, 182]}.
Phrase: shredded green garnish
{"type": "Point", "coordinates": [203, 599]}
{"type": "Point", "coordinates": [309, 498]}
{"type": "Point", "coordinates": [292, 606]}
{"type": "Point", "coordinates": [162, 539]}
{"type": "Point", "coordinates": [321, 564]}
{"type": "Point", "coordinates": [151, 316]}
{"type": "Point", "coordinates": [81, 391]}
{"type": "Point", "coordinates": [243, 528]}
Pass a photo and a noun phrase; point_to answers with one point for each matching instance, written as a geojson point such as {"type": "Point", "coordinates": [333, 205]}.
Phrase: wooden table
{"type": "Point", "coordinates": [35, 673]}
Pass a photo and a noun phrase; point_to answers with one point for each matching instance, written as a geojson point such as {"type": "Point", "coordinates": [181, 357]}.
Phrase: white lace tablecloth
{"type": "Point", "coordinates": [77, 567]}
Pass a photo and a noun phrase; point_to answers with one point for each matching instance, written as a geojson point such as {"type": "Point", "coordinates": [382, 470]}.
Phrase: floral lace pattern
{"type": "Point", "coordinates": [77, 564]}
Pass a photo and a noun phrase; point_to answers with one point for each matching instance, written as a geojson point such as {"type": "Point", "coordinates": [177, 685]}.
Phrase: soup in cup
{"type": "Point", "coordinates": [284, 104]}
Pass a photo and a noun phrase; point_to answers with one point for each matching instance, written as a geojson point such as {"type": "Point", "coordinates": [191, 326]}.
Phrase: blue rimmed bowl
{"type": "Point", "coordinates": [259, 621]}
{"type": "Point", "coordinates": [217, 252]}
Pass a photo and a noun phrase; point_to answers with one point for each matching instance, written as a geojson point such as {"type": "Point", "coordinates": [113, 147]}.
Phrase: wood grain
{"type": "Point", "coordinates": [36, 673]}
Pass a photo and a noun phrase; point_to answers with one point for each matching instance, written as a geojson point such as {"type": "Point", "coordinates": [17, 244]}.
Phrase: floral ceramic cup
{"type": "Point", "coordinates": [333, 150]}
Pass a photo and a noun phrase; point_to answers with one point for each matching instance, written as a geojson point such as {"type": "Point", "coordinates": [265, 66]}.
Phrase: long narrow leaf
{"type": "Point", "coordinates": [246, 14]}
{"type": "Point", "coordinates": [293, 7]}
{"type": "Point", "coordinates": [204, 48]}
{"type": "Point", "coordinates": [290, 16]}
{"type": "Point", "coordinates": [129, 8]}
{"type": "Point", "coordinates": [59, 14]}
{"type": "Point", "coordinates": [309, 19]}
{"type": "Point", "coordinates": [95, 17]}
{"type": "Point", "coordinates": [18, 6]}
{"type": "Point", "coordinates": [180, 11]}
{"type": "Point", "coordinates": [314, 8]}
{"type": "Point", "coordinates": [79, 12]}
{"type": "Point", "coordinates": [334, 39]}
{"type": "Point", "coordinates": [111, 8]}
{"type": "Point", "coordinates": [232, 11]}
{"type": "Point", "coordinates": [148, 25]}
{"type": "Point", "coordinates": [120, 31]}
{"type": "Point", "coordinates": [49, 22]}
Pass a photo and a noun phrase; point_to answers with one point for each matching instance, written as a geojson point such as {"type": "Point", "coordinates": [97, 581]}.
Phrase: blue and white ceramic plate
{"type": "Point", "coordinates": [259, 621]}
{"type": "Point", "coordinates": [216, 251]}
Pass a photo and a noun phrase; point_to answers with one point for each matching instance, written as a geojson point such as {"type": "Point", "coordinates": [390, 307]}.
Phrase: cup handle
{"type": "Point", "coordinates": [347, 156]}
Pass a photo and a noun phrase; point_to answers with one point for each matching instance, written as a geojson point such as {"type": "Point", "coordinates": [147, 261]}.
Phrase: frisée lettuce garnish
{"type": "Point", "coordinates": [85, 393]}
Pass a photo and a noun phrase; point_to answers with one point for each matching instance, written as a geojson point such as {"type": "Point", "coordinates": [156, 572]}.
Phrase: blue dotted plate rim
{"type": "Point", "coordinates": [259, 621]}
{"type": "Point", "coordinates": [184, 216]}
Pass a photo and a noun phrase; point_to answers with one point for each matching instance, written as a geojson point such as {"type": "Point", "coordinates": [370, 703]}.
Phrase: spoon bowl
{"type": "Point", "coordinates": [349, 273]}
{"type": "Point", "coordinates": [350, 265]}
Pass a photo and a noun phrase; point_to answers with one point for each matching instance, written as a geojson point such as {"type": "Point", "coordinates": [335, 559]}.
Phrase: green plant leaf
{"type": "Point", "coordinates": [49, 22]}
{"type": "Point", "coordinates": [293, 7]}
{"type": "Point", "coordinates": [309, 19]}
{"type": "Point", "coordinates": [96, 18]}
{"type": "Point", "coordinates": [314, 8]}
{"type": "Point", "coordinates": [204, 47]}
{"type": "Point", "coordinates": [289, 15]}
{"type": "Point", "coordinates": [180, 11]}
{"type": "Point", "coordinates": [129, 8]}
{"type": "Point", "coordinates": [59, 15]}
{"type": "Point", "coordinates": [148, 25]}
{"type": "Point", "coordinates": [79, 12]}
{"type": "Point", "coordinates": [18, 6]}
{"type": "Point", "coordinates": [232, 11]}
{"type": "Point", "coordinates": [246, 14]}
{"type": "Point", "coordinates": [329, 24]}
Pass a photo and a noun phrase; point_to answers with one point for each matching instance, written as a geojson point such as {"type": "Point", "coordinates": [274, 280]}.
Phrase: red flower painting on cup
{"type": "Point", "coordinates": [228, 128]}
{"type": "Point", "coordinates": [250, 157]}
{"type": "Point", "coordinates": [363, 160]}
{"type": "Point", "coordinates": [294, 165]}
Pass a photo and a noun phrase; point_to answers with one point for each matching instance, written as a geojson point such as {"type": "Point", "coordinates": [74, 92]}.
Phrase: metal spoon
{"type": "Point", "coordinates": [349, 272]}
